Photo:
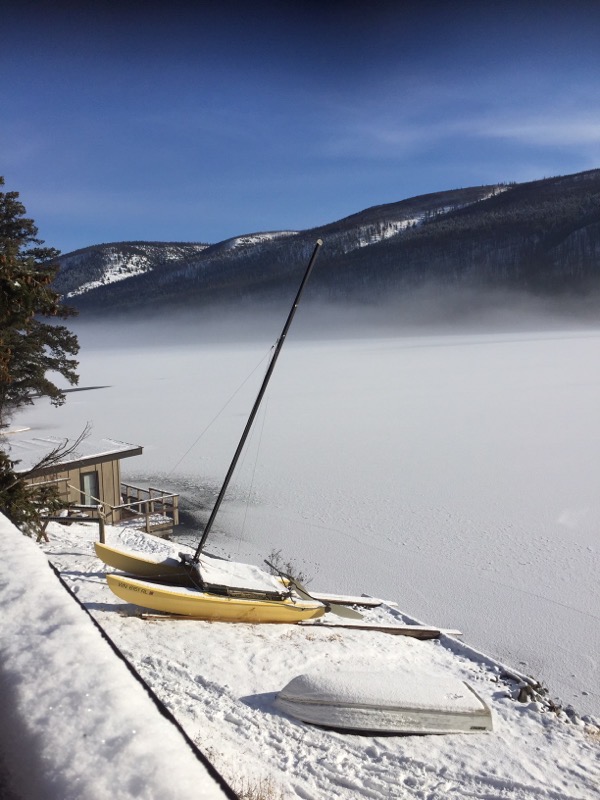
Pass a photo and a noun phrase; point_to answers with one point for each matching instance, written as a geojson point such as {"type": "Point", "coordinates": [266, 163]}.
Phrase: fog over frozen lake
{"type": "Point", "coordinates": [456, 473]}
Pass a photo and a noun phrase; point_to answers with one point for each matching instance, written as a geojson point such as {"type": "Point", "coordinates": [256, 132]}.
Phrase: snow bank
{"type": "Point", "coordinates": [221, 680]}
{"type": "Point", "coordinates": [76, 723]}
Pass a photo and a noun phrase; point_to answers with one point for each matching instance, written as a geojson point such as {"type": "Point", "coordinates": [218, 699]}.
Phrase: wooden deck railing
{"type": "Point", "coordinates": [159, 509]}
{"type": "Point", "coordinates": [153, 510]}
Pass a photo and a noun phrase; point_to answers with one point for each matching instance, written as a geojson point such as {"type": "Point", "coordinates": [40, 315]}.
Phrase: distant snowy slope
{"type": "Point", "coordinates": [117, 268]}
{"type": "Point", "coordinates": [242, 261]}
{"type": "Point", "coordinates": [395, 218]}
{"type": "Point", "coordinates": [251, 239]}
{"type": "Point", "coordinates": [541, 237]}
{"type": "Point", "coordinates": [85, 270]}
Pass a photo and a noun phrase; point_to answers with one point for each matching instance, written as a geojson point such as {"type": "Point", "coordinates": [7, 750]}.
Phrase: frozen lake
{"type": "Point", "coordinates": [455, 474]}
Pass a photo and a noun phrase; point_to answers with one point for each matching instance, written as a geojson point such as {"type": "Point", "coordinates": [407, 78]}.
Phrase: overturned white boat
{"type": "Point", "coordinates": [385, 703]}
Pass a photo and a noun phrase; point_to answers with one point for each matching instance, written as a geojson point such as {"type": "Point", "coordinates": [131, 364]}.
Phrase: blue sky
{"type": "Point", "coordinates": [197, 122]}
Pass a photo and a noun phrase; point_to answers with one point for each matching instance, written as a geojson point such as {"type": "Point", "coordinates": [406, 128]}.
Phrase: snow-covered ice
{"type": "Point", "coordinates": [456, 474]}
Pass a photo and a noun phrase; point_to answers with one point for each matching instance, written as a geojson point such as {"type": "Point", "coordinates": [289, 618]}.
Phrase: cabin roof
{"type": "Point", "coordinates": [29, 450]}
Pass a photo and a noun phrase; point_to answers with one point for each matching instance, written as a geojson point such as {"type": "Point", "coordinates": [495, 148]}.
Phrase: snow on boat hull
{"type": "Point", "coordinates": [183, 601]}
{"type": "Point", "coordinates": [145, 566]}
{"type": "Point", "coordinates": [385, 703]}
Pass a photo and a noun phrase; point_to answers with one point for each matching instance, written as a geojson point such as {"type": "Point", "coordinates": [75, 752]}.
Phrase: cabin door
{"type": "Point", "coordinates": [90, 489]}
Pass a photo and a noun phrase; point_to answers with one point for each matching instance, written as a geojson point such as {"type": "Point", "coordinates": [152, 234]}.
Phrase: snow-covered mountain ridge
{"type": "Point", "coordinates": [537, 236]}
{"type": "Point", "coordinates": [251, 239]}
{"type": "Point", "coordinates": [107, 264]}
{"type": "Point", "coordinates": [110, 263]}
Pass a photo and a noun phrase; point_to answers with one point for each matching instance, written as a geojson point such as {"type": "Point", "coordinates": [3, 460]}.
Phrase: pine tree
{"type": "Point", "coordinates": [30, 347]}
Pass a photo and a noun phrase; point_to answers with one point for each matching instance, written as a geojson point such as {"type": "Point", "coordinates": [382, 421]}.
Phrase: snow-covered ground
{"type": "Point", "coordinates": [77, 725]}
{"type": "Point", "coordinates": [456, 474]}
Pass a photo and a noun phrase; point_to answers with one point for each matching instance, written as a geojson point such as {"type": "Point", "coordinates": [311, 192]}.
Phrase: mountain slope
{"type": "Point", "coordinates": [84, 270]}
{"type": "Point", "coordinates": [541, 236]}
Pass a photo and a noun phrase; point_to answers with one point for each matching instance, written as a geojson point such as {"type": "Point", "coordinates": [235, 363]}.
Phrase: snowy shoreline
{"type": "Point", "coordinates": [219, 680]}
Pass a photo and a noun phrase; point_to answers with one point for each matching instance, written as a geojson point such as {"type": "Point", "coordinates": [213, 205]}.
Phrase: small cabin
{"type": "Point", "coordinates": [88, 478]}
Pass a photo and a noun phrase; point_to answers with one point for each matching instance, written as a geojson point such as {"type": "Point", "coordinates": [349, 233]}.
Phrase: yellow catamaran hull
{"type": "Point", "coordinates": [186, 602]}
{"type": "Point", "coordinates": [145, 566]}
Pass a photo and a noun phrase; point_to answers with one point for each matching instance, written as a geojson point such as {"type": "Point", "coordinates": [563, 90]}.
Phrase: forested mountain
{"type": "Point", "coordinates": [542, 237]}
{"type": "Point", "coordinates": [87, 269]}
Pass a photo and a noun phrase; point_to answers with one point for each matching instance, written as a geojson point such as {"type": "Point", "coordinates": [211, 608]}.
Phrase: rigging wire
{"type": "Point", "coordinates": [218, 414]}
{"type": "Point", "coordinates": [262, 428]}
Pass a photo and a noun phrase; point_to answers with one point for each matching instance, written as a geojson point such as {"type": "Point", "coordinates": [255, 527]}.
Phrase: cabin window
{"type": "Point", "coordinates": [90, 489]}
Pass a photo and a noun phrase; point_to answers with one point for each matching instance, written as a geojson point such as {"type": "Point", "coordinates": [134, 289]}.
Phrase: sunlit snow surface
{"type": "Point", "coordinates": [456, 474]}
{"type": "Point", "coordinates": [75, 723]}
{"type": "Point", "coordinates": [77, 726]}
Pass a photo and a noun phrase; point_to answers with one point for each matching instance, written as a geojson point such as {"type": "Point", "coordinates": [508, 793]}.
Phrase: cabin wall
{"type": "Point", "coordinates": [70, 484]}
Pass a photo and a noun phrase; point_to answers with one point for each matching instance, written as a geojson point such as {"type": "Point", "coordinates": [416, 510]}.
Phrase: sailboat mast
{"type": "Point", "coordinates": [257, 402]}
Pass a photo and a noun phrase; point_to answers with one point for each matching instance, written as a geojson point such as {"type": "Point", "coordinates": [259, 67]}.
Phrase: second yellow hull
{"type": "Point", "coordinates": [186, 602]}
{"type": "Point", "coordinates": [139, 563]}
